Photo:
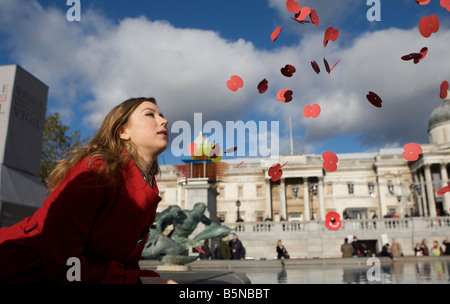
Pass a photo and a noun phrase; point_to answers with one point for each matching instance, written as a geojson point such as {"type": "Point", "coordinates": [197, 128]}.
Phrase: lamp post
{"type": "Point", "coordinates": [238, 204]}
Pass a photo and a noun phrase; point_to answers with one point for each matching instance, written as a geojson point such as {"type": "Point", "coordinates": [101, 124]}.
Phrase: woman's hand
{"type": "Point", "coordinates": [156, 280]}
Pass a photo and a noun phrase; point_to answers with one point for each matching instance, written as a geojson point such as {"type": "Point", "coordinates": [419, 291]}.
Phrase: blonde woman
{"type": "Point", "coordinates": [102, 201]}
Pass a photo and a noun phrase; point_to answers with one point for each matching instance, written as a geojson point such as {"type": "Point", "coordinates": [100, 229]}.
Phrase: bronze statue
{"type": "Point", "coordinates": [173, 247]}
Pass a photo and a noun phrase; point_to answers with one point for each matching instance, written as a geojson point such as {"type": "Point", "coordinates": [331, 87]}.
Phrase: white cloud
{"type": "Point", "coordinates": [95, 64]}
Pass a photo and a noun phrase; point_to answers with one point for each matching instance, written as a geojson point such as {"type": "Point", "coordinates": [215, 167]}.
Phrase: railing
{"type": "Point", "coordinates": [397, 224]}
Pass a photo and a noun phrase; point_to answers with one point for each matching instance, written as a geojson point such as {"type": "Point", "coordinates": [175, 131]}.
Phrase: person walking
{"type": "Point", "coordinates": [346, 249]}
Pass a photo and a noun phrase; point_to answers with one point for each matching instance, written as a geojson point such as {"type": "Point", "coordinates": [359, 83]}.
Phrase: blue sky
{"type": "Point", "coordinates": [182, 52]}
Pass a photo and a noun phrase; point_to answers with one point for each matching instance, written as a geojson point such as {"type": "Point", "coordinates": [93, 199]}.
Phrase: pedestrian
{"type": "Point", "coordinates": [225, 252]}
{"type": "Point", "coordinates": [436, 250]}
{"type": "Point", "coordinates": [447, 246]}
{"type": "Point", "coordinates": [103, 199]}
{"type": "Point", "coordinates": [346, 249]}
{"type": "Point", "coordinates": [216, 252]}
{"type": "Point", "coordinates": [355, 245]}
{"type": "Point", "coordinates": [396, 248]}
{"type": "Point", "coordinates": [281, 251]}
{"type": "Point", "coordinates": [418, 250]}
{"type": "Point", "coordinates": [424, 246]}
{"type": "Point", "coordinates": [207, 251]}
{"type": "Point", "coordinates": [387, 251]}
{"type": "Point", "coordinates": [237, 250]}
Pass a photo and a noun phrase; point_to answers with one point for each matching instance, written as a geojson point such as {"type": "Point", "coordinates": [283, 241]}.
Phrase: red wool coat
{"type": "Point", "coordinates": [104, 227]}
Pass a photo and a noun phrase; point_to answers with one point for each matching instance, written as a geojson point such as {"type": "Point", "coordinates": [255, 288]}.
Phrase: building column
{"type": "Point", "coordinates": [306, 215]}
{"type": "Point", "coordinates": [430, 191]}
{"type": "Point", "coordinates": [283, 206]}
{"type": "Point", "coordinates": [422, 196]}
{"type": "Point", "coordinates": [268, 192]}
{"type": "Point", "coordinates": [381, 197]}
{"type": "Point", "coordinates": [444, 183]}
{"type": "Point", "coordinates": [321, 199]}
{"type": "Point", "coordinates": [418, 198]}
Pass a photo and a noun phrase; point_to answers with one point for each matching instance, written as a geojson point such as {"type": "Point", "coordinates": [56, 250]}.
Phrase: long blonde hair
{"type": "Point", "coordinates": [106, 145]}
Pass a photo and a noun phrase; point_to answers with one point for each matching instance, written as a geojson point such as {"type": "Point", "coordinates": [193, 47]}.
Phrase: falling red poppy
{"type": "Point", "coordinates": [293, 6]}
{"type": "Point", "coordinates": [312, 111]}
{"type": "Point", "coordinates": [428, 25]}
{"type": "Point", "coordinates": [446, 4]}
{"type": "Point", "coordinates": [315, 67]}
{"type": "Point", "coordinates": [234, 83]}
{"type": "Point", "coordinates": [284, 95]}
{"type": "Point", "coordinates": [199, 249]}
{"type": "Point", "coordinates": [276, 33]}
{"type": "Point", "coordinates": [330, 161]}
{"type": "Point", "coordinates": [374, 99]}
{"type": "Point", "coordinates": [263, 86]}
{"type": "Point", "coordinates": [333, 220]}
{"type": "Point", "coordinates": [412, 151]}
{"type": "Point", "coordinates": [288, 70]}
{"type": "Point", "coordinates": [444, 89]}
{"type": "Point", "coordinates": [423, 2]}
{"type": "Point", "coordinates": [330, 34]}
{"type": "Point", "coordinates": [416, 57]}
{"type": "Point", "coordinates": [444, 190]}
{"type": "Point", "coordinates": [314, 17]}
{"type": "Point", "coordinates": [304, 12]}
{"type": "Point", "coordinates": [275, 172]}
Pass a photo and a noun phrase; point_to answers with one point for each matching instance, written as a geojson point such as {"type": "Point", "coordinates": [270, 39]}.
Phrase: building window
{"type": "Point", "coordinates": [260, 216]}
{"type": "Point", "coordinates": [390, 188]}
{"type": "Point", "coordinates": [329, 189]}
{"type": "Point", "coordinates": [371, 189]}
{"type": "Point", "coordinates": [240, 191]}
{"type": "Point", "coordinates": [259, 190]}
{"type": "Point", "coordinates": [351, 188]}
{"type": "Point", "coordinates": [221, 192]}
{"type": "Point", "coordinates": [295, 192]}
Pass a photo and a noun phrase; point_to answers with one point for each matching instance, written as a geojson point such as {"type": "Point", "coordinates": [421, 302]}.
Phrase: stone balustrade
{"type": "Point", "coordinates": [311, 239]}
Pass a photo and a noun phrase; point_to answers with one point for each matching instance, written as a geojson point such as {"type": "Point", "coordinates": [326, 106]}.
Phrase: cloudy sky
{"type": "Point", "coordinates": [182, 52]}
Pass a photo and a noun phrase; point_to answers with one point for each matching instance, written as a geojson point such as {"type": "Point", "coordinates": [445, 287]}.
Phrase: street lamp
{"type": "Point", "coordinates": [238, 204]}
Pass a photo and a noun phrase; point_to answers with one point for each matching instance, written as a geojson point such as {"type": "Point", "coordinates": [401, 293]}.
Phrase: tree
{"type": "Point", "coordinates": [56, 144]}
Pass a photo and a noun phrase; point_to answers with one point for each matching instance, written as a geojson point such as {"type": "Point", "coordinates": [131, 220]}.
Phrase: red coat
{"type": "Point", "coordinates": [104, 227]}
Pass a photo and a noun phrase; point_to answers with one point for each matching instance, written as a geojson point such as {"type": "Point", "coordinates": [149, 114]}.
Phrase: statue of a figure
{"type": "Point", "coordinates": [173, 247]}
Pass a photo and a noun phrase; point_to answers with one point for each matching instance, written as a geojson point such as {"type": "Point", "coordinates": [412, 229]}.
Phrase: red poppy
{"type": "Point", "coordinates": [235, 83]}
{"type": "Point", "coordinates": [329, 161]}
{"type": "Point", "coordinates": [262, 86]}
{"type": "Point", "coordinates": [333, 220]}
{"type": "Point", "coordinates": [428, 25]}
{"type": "Point", "coordinates": [276, 33]}
{"type": "Point", "coordinates": [312, 111]}
{"type": "Point", "coordinates": [374, 99]}
{"type": "Point", "coordinates": [444, 89]}
{"type": "Point", "coordinates": [412, 152]}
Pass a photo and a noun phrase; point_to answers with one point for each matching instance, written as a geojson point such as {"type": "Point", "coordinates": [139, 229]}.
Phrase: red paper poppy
{"type": "Point", "coordinates": [315, 67]}
{"type": "Point", "coordinates": [293, 6]}
{"type": "Point", "coordinates": [423, 2]}
{"type": "Point", "coordinates": [284, 95]}
{"type": "Point", "coordinates": [262, 86]}
{"type": "Point", "coordinates": [374, 99]}
{"type": "Point", "coordinates": [444, 89]}
{"type": "Point", "coordinates": [444, 190]}
{"type": "Point", "coordinates": [199, 249]}
{"type": "Point", "coordinates": [416, 57]}
{"type": "Point", "coordinates": [304, 12]}
{"type": "Point", "coordinates": [231, 150]}
{"type": "Point", "coordinates": [276, 33]}
{"type": "Point", "coordinates": [235, 83]}
{"type": "Point", "coordinates": [446, 4]}
{"type": "Point", "coordinates": [288, 70]}
{"type": "Point", "coordinates": [275, 172]}
{"type": "Point", "coordinates": [215, 151]}
{"type": "Point", "coordinates": [330, 161]}
{"type": "Point", "coordinates": [312, 111]}
{"type": "Point", "coordinates": [412, 152]}
{"type": "Point", "coordinates": [333, 220]}
{"type": "Point", "coordinates": [428, 25]}
{"type": "Point", "coordinates": [330, 34]}
{"type": "Point", "coordinates": [314, 17]}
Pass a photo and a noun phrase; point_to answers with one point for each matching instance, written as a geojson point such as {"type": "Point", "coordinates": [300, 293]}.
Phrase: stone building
{"type": "Point", "coordinates": [381, 183]}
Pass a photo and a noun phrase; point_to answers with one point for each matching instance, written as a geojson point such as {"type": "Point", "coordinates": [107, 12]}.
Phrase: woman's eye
{"type": "Point", "coordinates": [150, 114]}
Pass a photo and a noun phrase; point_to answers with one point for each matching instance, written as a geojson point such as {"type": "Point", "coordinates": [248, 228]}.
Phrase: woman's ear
{"type": "Point", "coordinates": [124, 134]}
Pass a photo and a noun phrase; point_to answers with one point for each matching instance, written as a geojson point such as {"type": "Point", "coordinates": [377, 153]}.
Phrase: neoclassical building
{"type": "Point", "coordinates": [381, 183]}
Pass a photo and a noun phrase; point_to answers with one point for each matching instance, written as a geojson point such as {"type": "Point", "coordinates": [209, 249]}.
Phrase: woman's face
{"type": "Point", "coordinates": [147, 129]}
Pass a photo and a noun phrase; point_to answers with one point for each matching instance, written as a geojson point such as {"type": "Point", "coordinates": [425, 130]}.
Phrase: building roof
{"type": "Point", "coordinates": [440, 114]}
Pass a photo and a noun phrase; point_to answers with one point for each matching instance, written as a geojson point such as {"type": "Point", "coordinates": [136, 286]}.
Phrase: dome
{"type": "Point", "coordinates": [440, 114]}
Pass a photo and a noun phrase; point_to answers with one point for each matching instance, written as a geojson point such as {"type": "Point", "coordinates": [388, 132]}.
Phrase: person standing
{"type": "Point", "coordinates": [396, 249]}
{"type": "Point", "coordinates": [237, 250]}
{"type": "Point", "coordinates": [447, 246]}
{"type": "Point", "coordinates": [225, 252]}
{"type": "Point", "coordinates": [346, 249]}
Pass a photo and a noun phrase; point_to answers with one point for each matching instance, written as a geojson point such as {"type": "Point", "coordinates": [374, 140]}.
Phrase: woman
{"type": "Point", "coordinates": [282, 252]}
{"type": "Point", "coordinates": [102, 201]}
